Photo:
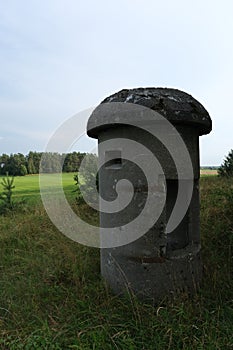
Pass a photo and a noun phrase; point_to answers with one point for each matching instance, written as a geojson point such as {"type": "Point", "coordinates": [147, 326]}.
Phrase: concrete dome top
{"type": "Point", "coordinates": [175, 105]}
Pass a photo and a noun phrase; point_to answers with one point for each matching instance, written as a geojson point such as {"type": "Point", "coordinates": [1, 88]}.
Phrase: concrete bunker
{"type": "Point", "coordinates": [157, 264]}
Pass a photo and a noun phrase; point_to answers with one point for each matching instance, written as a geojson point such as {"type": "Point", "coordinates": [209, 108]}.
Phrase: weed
{"type": "Point", "coordinates": [53, 297]}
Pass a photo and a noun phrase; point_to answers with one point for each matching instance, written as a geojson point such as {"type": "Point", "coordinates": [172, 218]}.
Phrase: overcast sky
{"type": "Point", "coordinates": [58, 58]}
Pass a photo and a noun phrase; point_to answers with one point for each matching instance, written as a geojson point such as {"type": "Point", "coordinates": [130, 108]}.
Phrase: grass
{"type": "Point", "coordinates": [52, 295]}
{"type": "Point", "coordinates": [28, 186]}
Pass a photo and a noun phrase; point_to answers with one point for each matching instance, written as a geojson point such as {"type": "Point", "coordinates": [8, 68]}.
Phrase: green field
{"type": "Point", "coordinates": [28, 186]}
{"type": "Point", "coordinates": [53, 297]}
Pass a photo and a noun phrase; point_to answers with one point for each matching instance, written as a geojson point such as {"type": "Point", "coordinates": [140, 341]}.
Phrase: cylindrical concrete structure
{"type": "Point", "coordinates": [158, 264]}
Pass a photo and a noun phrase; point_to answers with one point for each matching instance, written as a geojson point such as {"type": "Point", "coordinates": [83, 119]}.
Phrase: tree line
{"type": "Point", "coordinates": [19, 164]}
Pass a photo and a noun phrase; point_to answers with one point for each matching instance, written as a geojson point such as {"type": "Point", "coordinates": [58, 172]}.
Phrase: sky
{"type": "Point", "coordinates": [60, 57]}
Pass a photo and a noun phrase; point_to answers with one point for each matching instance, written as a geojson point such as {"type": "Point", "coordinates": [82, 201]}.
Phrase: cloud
{"type": "Point", "coordinates": [57, 60]}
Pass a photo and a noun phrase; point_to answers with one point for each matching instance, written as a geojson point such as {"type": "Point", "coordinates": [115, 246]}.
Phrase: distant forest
{"type": "Point", "coordinates": [19, 164]}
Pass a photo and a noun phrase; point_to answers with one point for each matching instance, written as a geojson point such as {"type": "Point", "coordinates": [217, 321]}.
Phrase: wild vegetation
{"type": "Point", "coordinates": [53, 297]}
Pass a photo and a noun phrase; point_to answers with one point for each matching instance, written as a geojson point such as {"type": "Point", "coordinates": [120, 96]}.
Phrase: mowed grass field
{"type": "Point", "coordinates": [52, 295]}
{"type": "Point", "coordinates": [28, 186]}
{"type": "Point", "coordinates": [208, 172]}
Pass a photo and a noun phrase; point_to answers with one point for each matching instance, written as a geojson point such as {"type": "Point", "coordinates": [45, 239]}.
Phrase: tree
{"type": "Point", "coordinates": [15, 164]}
{"type": "Point", "coordinates": [72, 161]}
{"type": "Point", "coordinates": [23, 170]}
{"type": "Point", "coordinates": [226, 169]}
{"type": "Point", "coordinates": [87, 180]}
{"type": "Point", "coordinates": [51, 163]}
{"type": "Point", "coordinates": [36, 156]}
{"type": "Point", "coordinates": [6, 196]}
{"type": "Point", "coordinates": [4, 158]}
{"type": "Point", "coordinates": [30, 164]}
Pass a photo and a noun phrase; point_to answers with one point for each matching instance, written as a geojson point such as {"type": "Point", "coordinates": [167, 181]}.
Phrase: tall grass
{"type": "Point", "coordinates": [52, 295]}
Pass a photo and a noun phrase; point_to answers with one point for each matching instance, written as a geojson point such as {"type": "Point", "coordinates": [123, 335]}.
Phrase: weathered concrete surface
{"type": "Point", "coordinates": [175, 105]}
{"type": "Point", "coordinates": [157, 265]}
